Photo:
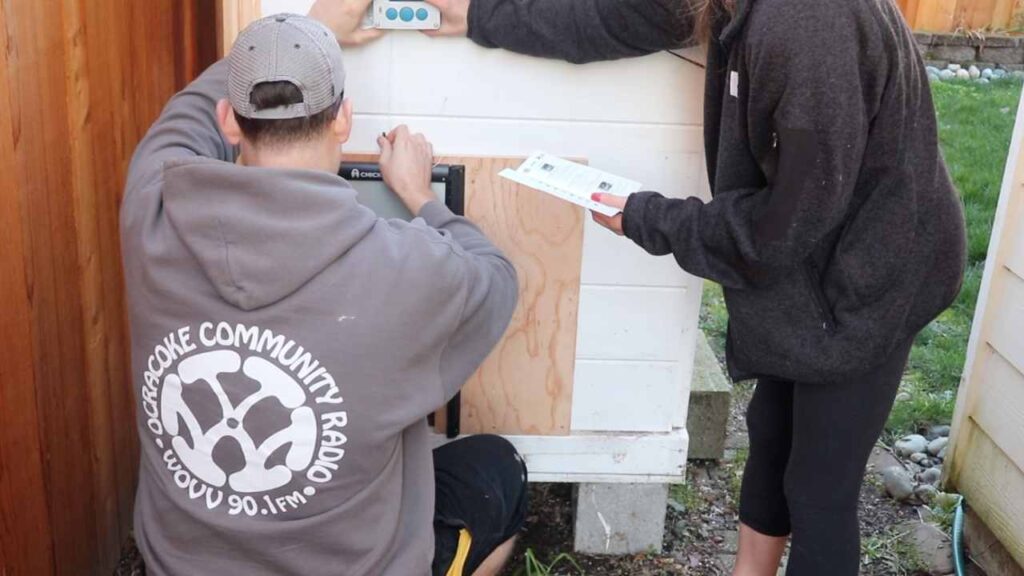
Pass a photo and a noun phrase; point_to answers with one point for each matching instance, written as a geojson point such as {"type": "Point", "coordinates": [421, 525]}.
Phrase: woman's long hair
{"type": "Point", "coordinates": [708, 12]}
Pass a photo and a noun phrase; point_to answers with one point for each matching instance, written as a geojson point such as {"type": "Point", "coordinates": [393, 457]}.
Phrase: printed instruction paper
{"type": "Point", "coordinates": [570, 181]}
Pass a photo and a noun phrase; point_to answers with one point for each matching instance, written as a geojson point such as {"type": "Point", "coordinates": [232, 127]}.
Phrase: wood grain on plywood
{"type": "Point", "coordinates": [525, 386]}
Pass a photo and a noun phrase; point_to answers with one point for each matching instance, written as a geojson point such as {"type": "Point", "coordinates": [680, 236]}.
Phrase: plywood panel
{"type": "Point", "coordinates": [525, 386]}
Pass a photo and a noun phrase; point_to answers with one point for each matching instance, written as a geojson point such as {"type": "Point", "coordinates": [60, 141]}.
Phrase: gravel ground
{"type": "Point", "coordinates": [700, 536]}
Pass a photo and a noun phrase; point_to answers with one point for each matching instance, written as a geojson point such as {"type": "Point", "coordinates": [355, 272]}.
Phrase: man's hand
{"type": "Point", "coordinates": [613, 223]}
{"type": "Point", "coordinates": [454, 18]}
{"type": "Point", "coordinates": [345, 19]}
{"type": "Point", "coordinates": [406, 162]}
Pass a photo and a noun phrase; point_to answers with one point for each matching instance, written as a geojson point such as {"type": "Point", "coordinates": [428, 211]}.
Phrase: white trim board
{"type": "Point", "coordinates": [603, 458]}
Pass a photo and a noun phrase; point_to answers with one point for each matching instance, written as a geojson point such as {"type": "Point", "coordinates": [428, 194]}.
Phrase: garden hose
{"type": "Point", "coordinates": [958, 539]}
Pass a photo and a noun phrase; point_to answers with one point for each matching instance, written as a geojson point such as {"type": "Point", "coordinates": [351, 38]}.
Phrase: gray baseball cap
{"type": "Point", "coordinates": [286, 48]}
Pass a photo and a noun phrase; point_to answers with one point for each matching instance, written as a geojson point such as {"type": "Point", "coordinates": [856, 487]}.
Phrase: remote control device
{"type": "Point", "coordinates": [403, 15]}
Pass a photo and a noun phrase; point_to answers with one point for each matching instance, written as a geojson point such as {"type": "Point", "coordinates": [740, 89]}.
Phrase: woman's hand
{"type": "Point", "coordinates": [407, 162]}
{"type": "Point", "coordinates": [613, 223]}
{"type": "Point", "coordinates": [454, 18]}
{"type": "Point", "coordinates": [345, 19]}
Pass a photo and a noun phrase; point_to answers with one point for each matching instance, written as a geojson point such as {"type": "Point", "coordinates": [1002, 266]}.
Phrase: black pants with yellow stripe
{"type": "Point", "coordinates": [481, 500]}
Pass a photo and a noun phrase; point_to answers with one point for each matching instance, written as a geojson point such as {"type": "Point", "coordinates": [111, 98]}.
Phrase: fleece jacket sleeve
{"type": "Point", "coordinates": [186, 128]}
{"type": "Point", "coordinates": [581, 31]}
{"type": "Point", "coordinates": [811, 93]}
{"type": "Point", "coordinates": [491, 288]}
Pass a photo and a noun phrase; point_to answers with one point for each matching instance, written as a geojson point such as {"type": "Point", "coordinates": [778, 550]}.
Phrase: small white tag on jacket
{"type": "Point", "coordinates": [570, 181]}
{"type": "Point", "coordinates": [734, 84]}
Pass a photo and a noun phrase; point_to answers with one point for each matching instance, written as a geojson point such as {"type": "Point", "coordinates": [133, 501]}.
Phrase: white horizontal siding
{"type": "Point", "coordinates": [625, 396]}
{"type": "Point", "coordinates": [632, 323]}
{"type": "Point", "coordinates": [639, 118]}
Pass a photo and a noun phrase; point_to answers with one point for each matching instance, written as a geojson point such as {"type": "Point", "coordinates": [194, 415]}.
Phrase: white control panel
{"type": "Point", "coordinates": [403, 15]}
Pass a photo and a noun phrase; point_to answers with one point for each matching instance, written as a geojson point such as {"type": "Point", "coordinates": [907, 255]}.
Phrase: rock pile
{"type": "Point", "coordinates": [919, 476]}
{"type": "Point", "coordinates": [970, 74]}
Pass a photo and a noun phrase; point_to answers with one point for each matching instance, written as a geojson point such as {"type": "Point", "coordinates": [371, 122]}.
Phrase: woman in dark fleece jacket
{"type": "Point", "coordinates": [834, 227]}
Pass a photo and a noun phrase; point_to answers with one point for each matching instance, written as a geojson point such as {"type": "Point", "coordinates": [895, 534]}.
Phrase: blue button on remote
{"type": "Point", "coordinates": [406, 14]}
{"type": "Point", "coordinates": [392, 14]}
{"type": "Point", "coordinates": [422, 14]}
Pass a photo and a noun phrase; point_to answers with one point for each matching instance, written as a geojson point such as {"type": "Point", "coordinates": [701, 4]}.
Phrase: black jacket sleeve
{"type": "Point", "coordinates": [581, 30]}
{"type": "Point", "coordinates": [814, 95]}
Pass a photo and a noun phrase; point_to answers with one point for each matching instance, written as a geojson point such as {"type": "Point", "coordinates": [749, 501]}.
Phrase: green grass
{"type": "Point", "coordinates": [533, 566]}
{"type": "Point", "coordinates": [889, 553]}
{"type": "Point", "coordinates": [975, 127]}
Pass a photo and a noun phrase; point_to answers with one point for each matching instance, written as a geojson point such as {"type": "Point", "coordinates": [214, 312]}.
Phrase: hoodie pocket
{"type": "Point", "coordinates": [825, 314]}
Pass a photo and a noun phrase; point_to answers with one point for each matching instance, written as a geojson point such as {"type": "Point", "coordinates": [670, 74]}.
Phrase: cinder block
{"type": "Point", "coordinates": [710, 397]}
{"type": "Point", "coordinates": [1003, 55]}
{"type": "Point", "coordinates": [1000, 41]}
{"type": "Point", "coordinates": [959, 54]}
{"type": "Point", "coordinates": [619, 519]}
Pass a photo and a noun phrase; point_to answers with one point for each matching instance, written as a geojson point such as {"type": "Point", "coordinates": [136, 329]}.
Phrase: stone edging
{"type": "Point", "coordinates": [940, 50]}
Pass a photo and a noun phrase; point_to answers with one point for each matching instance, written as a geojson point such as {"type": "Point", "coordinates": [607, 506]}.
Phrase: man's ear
{"type": "Point", "coordinates": [228, 123]}
{"type": "Point", "coordinates": [343, 123]}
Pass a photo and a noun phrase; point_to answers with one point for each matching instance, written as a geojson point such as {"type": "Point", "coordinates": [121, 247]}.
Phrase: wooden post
{"type": "Point", "coordinates": [232, 17]}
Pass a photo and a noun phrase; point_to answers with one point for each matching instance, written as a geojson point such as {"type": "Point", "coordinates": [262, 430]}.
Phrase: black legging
{"type": "Point", "coordinates": [809, 445]}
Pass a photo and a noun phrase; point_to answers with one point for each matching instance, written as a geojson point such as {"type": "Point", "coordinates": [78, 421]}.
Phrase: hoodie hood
{"type": "Point", "coordinates": [260, 234]}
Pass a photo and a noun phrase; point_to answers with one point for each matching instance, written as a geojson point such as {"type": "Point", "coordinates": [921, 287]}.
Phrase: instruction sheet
{"type": "Point", "coordinates": [570, 181]}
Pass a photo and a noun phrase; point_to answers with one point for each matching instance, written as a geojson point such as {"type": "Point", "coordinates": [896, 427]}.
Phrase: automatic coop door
{"type": "Point", "coordinates": [449, 183]}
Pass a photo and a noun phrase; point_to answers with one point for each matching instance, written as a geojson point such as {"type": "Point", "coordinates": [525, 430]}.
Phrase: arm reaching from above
{"type": "Point", "coordinates": [578, 31]}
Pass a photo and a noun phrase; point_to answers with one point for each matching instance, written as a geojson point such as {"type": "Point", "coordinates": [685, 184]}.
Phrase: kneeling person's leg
{"type": "Point", "coordinates": [481, 499]}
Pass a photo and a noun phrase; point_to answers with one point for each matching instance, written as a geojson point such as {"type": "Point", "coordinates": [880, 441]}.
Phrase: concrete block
{"type": "Point", "coordinates": [619, 519]}
{"type": "Point", "coordinates": [710, 396]}
{"type": "Point", "coordinates": [958, 54]}
{"type": "Point", "coordinates": [953, 40]}
{"type": "Point", "coordinates": [923, 38]}
{"type": "Point", "coordinates": [1000, 41]}
{"type": "Point", "coordinates": [1003, 55]}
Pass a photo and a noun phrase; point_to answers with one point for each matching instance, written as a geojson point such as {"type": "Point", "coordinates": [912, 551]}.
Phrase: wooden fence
{"type": "Point", "coordinates": [963, 15]}
{"type": "Point", "coordinates": [80, 82]}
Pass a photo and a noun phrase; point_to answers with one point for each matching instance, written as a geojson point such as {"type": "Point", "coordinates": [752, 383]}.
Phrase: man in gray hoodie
{"type": "Point", "coordinates": [288, 345]}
